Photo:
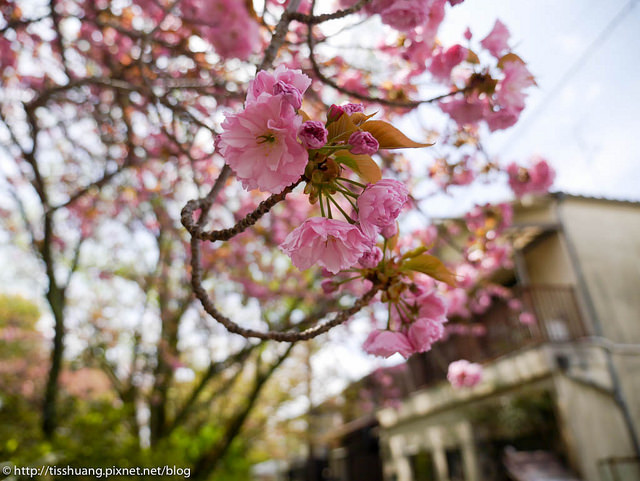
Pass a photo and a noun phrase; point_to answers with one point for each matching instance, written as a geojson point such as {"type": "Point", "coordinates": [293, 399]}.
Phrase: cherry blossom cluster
{"type": "Point", "coordinates": [493, 95]}
{"type": "Point", "coordinates": [272, 144]}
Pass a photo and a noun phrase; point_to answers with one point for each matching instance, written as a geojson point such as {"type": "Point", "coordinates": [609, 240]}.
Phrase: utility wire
{"type": "Point", "coordinates": [575, 67]}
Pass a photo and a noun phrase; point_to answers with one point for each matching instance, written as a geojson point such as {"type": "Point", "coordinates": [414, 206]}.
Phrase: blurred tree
{"type": "Point", "coordinates": [110, 114]}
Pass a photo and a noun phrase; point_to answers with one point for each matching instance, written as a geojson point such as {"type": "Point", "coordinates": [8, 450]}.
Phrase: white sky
{"type": "Point", "coordinates": [588, 128]}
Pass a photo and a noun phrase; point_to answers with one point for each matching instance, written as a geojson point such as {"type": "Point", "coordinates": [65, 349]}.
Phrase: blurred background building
{"type": "Point", "coordinates": [560, 397]}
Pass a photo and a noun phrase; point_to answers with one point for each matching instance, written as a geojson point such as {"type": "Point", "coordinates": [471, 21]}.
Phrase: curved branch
{"type": "Point", "coordinates": [367, 98]}
{"type": "Point", "coordinates": [316, 19]}
{"type": "Point", "coordinates": [197, 234]}
{"type": "Point", "coordinates": [285, 336]}
{"type": "Point", "coordinates": [226, 234]}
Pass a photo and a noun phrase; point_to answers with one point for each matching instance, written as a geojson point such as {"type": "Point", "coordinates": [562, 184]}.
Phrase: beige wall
{"type": "Point", "coordinates": [606, 236]}
{"type": "Point", "coordinates": [594, 426]}
{"type": "Point", "coordinates": [606, 239]}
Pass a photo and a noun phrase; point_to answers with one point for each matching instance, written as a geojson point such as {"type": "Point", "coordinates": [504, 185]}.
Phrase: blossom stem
{"type": "Point", "coordinates": [348, 280]}
{"type": "Point", "coordinates": [352, 182]}
{"type": "Point", "coordinates": [345, 191]}
{"type": "Point", "coordinates": [329, 206]}
{"type": "Point", "coordinates": [348, 195]}
{"type": "Point", "coordinates": [404, 316]}
{"type": "Point", "coordinates": [320, 202]}
{"type": "Point", "coordinates": [346, 216]}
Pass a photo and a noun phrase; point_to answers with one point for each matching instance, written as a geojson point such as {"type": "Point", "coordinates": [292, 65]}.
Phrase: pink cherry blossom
{"type": "Point", "coordinates": [527, 318]}
{"type": "Point", "coordinates": [510, 90]}
{"type": "Point", "coordinates": [443, 62]}
{"type": "Point", "coordinates": [388, 231]}
{"type": "Point", "coordinates": [363, 143]}
{"type": "Point", "coordinates": [328, 286]}
{"type": "Point", "coordinates": [387, 343]}
{"type": "Point", "coordinates": [465, 110]}
{"type": "Point", "coordinates": [380, 204]}
{"type": "Point", "coordinates": [313, 134]}
{"type": "Point", "coordinates": [353, 81]}
{"type": "Point", "coordinates": [238, 35]}
{"type": "Point", "coordinates": [261, 146]}
{"type": "Point", "coordinates": [404, 15]}
{"type": "Point", "coordinates": [423, 333]}
{"type": "Point", "coordinates": [501, 119]}
{"type": "Point", "coordinates": [457, 300]}
{"type": "Point", "coordinates": [420, 303]}
{"type": "Point", "coordinates": [265, 82]}
{"type": "Point", "coordinates": [431, 306]}
{"type": "Point", "coordinates": [535, 180]}
{"type": "Point", "coordinates": [497, 42]}
{"type": "Point", "coordinates": [289, 93]}
{"type": "Point", "coordinates": [371, 258]}
{"type": "Point", "coordinates": [353, 108]}
{"type": "Point", "coordinates": [417, 53]}
{"type": "Point", "coordinates": [330, 243]}
{"type": "Point", "coordinates": [463, 373]}
{"type": "Point", "coordinates": [334, 113]}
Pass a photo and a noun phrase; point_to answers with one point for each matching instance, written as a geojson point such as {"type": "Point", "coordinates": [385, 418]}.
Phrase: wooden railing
{"type": "Point", "coordinates": [557, 316]}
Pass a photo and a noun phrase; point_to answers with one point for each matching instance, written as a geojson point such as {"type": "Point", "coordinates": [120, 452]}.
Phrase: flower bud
{"type": "Point", "coordinates": [334, 113]}
{"type": "Point", "coordinates": [328, 286]}
{"type": "Point", "coordinates": [363, 143]}
{"type": "Point", "coordinates": [353, 108]}
{"type": "Point", "coordinates": [312, 134]}
{"type": "Point", "coordinates": [372, 258]}
{"type": "Point", "coordinates": [389, 231]}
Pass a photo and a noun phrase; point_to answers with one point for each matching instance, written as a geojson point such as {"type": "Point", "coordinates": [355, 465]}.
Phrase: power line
{"type": "Point", "coordinates": [575, 67]}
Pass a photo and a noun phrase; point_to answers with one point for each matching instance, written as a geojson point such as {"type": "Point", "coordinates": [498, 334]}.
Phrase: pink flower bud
{"type": "Point", "coordinates": [389, 231]}
{"type": "Point", "coordinates": [334, 113]}
{"type": "Point", "coordinates": [379, 206]}
{"type": "Point", "coordinates": [353, 108]}
{"type": "Point", "coordinates": [312, 134]}
{"type": "Point", "coordinates": [328, 286]}
{"type": "Point", "coordinates": [363, 143]}
{"type": "Point", "coordinates": [372, 258]}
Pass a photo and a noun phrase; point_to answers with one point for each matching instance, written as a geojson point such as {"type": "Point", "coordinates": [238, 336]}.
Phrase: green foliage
{"type": "Point", "coordinates": [103, 434]}
{"type": "Point", "coordinates": [18, 311]}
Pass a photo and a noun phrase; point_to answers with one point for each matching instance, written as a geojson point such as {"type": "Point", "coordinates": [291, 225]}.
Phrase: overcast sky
{"type": "Point", "coordinates": [584, 115]}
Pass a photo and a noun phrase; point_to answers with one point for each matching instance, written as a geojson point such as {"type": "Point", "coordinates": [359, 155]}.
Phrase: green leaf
{"type": "Point", "coordinates": [472, 57]}
{"type": "Point", "coordinates": [362, 164]}
{"type": "Point", "coordinates": [388, 136]}
{"type": "Point", "coordinates": [415, 252]}
{"type": "Point", "coordinates": [510, 57]}
{"type": "Point", "coordinates": [431, 266]}
{"type": "Point", "coordinates": [305, 116]}
{"type": "Point", "coordinates": [358, 117]}
{"type": "Point", "coordinates": [341, 129]}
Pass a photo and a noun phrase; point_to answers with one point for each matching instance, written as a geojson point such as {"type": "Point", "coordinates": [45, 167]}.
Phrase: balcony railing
{"type": "Point", "coordinates": [557, 316]}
